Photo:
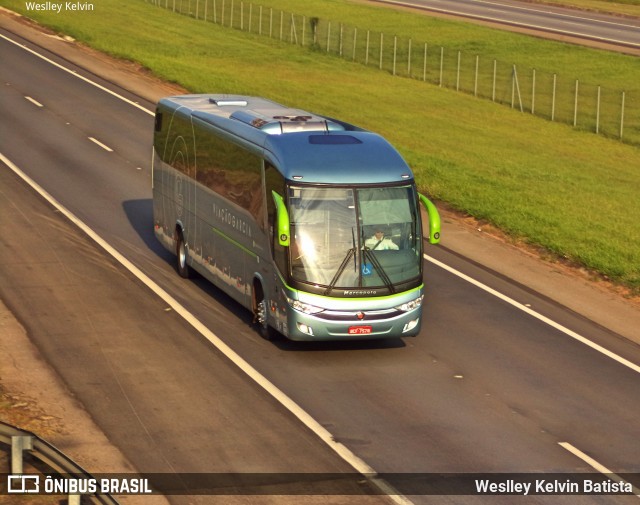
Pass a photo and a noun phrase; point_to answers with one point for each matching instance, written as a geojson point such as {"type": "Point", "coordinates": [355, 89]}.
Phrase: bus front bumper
{"type": "Point", "coordinates": [303, 326]}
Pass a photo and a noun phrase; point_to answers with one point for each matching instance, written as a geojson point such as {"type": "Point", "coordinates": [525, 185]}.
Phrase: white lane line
{"type": "Point", "coordinates": [537, 315]}
{"type": "Point", "coordinates": [97, 142]}
{"type": "Point", "coordinates": [595, 465]}
{"type": "Point", "coordinates": [75, 74]}
{"type": "Point", "coordinates": [34, 101]}
{"type": "Point", "coordinates": [354, 461]}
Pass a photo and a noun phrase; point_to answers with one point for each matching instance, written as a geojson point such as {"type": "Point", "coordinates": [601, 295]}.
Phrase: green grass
{"type": "Point", "coordinates": [475, 59]}
{"type": "Point", "coordinates": [571, 192]}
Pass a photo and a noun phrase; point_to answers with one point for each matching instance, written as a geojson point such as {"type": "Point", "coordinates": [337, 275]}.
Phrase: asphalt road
{"type": "Point", "coordinates": [608, 29]}
{"type": "Point", "coordinates": [486, 387]}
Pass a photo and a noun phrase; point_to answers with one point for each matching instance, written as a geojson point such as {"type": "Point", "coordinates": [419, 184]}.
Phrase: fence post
{"type": "Point", "coordinates": [515, 87]}
{"type": "Point", "coordinates": [622, 115]}
{"type": "Point", "coordinates": [441, 64]}
{"type": "Point", "coordinates": [395, 50]}
{"type": "Point", "coordinates": [366, 56]}
{"type": "Point", "coordinates": [293, 35]}
{"type": "Point", "coordinates": [341, 39]}
{"type": "Point", "coordinates": [458, 73]}
{"type": "Point", "coordinates": [575, 106]}
{"type": "Point", "coordinates": [381, 41]}
{"type": "Point", "coordinates": [475, 80]}
{"type": "Point", "coordinates": [231, 15]}
{"type": "Point", "coordinates": [355, 38]}
{"type": "Point", "coordinates": [553, 98]}
{"type": "Point", "coordinates": [409, 61]}
{"type": "Point", "coordinates": [493, 86]}
{"type": "Point", "coordinates": [424, 65]}
{"type": "Point", "coordinates": [598, 111]}
{"type": "Point", "coordinates": [533, 92]}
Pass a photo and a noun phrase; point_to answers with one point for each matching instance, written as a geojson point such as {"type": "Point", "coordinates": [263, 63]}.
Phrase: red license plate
{"type": "Point", "coordinates": [360, 330]}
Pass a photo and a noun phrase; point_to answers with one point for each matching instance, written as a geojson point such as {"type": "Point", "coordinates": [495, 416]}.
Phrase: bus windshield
{"type": "Point", "coordinates": [354, 237]}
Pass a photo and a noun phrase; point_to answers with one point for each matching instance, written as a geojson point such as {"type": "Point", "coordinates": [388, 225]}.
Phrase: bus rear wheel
{"type": "Point", "coordinates": [182, 255]}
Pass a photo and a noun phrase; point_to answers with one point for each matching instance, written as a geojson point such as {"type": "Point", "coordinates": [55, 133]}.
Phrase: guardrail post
{"type": "Point", "coordinates": [19, 443]}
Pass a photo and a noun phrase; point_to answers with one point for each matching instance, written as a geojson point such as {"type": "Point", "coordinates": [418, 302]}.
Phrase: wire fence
{"type": "Point", "coordinates": [609, 112]}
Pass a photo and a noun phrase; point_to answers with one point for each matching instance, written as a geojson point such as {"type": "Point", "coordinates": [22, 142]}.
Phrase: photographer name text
{"type": "Point", "coordinates": [59, 7]}
{"type": "Point", "coordinates": [542, 486]}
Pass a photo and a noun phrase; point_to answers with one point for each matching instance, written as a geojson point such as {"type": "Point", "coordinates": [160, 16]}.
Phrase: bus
{"type": "Point", "coordinates": [311, 223]}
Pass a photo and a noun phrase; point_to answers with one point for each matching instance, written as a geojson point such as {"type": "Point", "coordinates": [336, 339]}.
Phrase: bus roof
{"type": "Point", "coordinates": [306, 147]}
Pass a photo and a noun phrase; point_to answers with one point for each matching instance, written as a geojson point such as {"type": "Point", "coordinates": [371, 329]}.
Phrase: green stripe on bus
{"type": "Point", "coordinates": [234, 242]}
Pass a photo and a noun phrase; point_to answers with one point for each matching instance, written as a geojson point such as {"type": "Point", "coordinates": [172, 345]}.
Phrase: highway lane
{"type": "Point", "coordinates": [485, 388]}
{"type": "Point", "coordinates": [610, 29]}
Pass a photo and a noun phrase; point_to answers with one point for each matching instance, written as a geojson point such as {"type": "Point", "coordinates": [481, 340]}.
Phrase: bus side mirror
{"type": "Point", "coordinates": [282, 220]}
{"type": "Point", "coordinates": [434, 219]}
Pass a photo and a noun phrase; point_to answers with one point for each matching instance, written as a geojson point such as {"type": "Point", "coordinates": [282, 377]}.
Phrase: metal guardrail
{"type": "Point", "coordinates": [21, 440]}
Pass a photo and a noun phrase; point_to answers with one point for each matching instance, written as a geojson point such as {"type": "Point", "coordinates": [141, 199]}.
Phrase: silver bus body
{"type": "Point", "coordinates": [280, 208]}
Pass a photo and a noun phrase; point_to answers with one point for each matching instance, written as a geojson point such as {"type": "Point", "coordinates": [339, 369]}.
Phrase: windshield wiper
{"type": "Point", "coordinates": [353, 241]}
{"type": "Point", "coordinates": [343, 265]}
{"type": "Point", "coordinates": [367, 253]}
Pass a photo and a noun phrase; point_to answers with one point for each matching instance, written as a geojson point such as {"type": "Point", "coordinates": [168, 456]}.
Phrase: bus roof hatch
{"type": "Point", "coordinates": [284, 121]}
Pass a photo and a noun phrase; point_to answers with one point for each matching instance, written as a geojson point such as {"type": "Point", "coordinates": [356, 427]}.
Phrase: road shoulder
{"type": "Point", "coordinates": [33, 398]}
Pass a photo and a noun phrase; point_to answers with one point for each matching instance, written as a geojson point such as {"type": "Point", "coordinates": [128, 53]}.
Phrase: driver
{"type": "Point", "coordinates": [379, 242]}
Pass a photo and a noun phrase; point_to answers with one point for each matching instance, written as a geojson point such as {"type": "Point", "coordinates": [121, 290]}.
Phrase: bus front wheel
{"type": "Point", "coordinates": [261, 312]}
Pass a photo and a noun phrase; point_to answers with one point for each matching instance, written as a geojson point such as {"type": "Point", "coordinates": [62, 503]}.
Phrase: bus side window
{"type": "Point", "coordinates": [274, 181]}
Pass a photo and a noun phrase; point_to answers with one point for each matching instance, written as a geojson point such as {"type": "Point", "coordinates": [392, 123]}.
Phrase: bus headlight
{"type": "Point", "coordinates": [303, 307]}
{"type": "Point", "coordinates": [412, 305]}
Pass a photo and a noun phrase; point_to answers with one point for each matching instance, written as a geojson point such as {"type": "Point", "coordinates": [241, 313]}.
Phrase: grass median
{"type": "Point", "coordinates": [571, 192]}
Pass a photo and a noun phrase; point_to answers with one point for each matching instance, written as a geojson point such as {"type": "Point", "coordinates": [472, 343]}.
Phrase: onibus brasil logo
{"type": "Point", "coordinates": [60, 484]}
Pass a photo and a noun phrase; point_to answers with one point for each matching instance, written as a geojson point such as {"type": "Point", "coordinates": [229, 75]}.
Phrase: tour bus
{"type": "Point", "coordinates": [310, 222]}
